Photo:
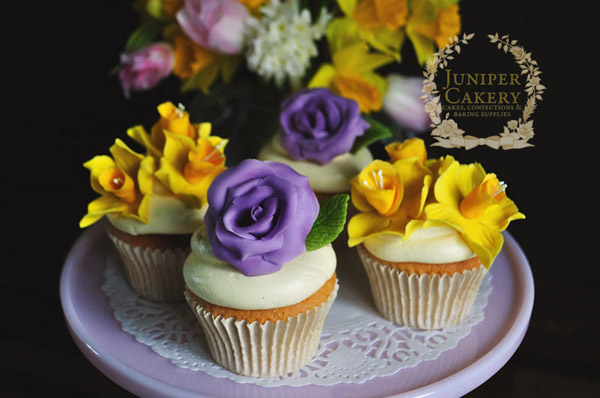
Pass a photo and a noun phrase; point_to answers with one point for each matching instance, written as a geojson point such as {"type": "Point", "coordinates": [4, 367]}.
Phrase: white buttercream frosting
{"type": "Point", "coordinates": [332, 177]}
{"type": "Point", "coordinates": [220, 283]}
{"type": "Point", "coordinates": [433, 245]}
{"type": "Point", "coordinates": [167, 215]}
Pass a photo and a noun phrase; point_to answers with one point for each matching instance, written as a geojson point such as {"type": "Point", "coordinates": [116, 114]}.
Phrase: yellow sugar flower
{"type": "Point", "coordinates": [431, 25]}
{"type": "Point", "coordinates": [188, 166]}
{"type": "Point", "coordinates": [124, 183]}
{"type": "Point", "coordinates": [412, 147]}
{"type": "Point", "coordinates": [378, 187]}
{"type": "Point", "coordinates": [473, 203]}
{"type": "Point", "coordinates": [173, 119]}
{"type": "Point", "coordinates": [390, 197]}
{"type": "Point", "coordinates": [351, 75]}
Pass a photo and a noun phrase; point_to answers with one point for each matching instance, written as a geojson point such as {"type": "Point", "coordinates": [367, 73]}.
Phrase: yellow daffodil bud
{"type": "Point", "coordinates": [412, 147]}
{"type": "Point", "coordinates": [378, 187]}
{"type": "Point", "coordinates": [174, 119]}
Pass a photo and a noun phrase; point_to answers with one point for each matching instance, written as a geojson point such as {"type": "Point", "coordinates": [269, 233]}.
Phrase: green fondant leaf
{"type": "Point", "coordinates": [376, 132]}
{"type": "Point", "coordinates": [329, 223]}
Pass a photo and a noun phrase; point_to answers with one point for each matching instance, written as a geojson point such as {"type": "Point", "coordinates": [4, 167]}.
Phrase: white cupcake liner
{"type": "Point", "coordinates": [421, 301]}
{"type": "Point", "coordinates": [263, 350]}
{"type": "Point", "coordinates": [156, 274]}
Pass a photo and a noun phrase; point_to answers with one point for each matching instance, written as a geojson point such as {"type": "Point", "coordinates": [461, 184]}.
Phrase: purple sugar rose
{"type": "Point", "coordinates": [259, 214]}
{"type": "Point", "coordinates": [318, 125]}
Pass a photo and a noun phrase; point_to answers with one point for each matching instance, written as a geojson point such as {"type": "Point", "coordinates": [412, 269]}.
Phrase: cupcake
{"type": "Point", "coordinates": [322, 136]}
{"type": "Point", "coordinates": [427, 233]}
{"type": "Point", "coordinates": [261, 276]}
{"type": "Point", "coordinates": [153, 202]}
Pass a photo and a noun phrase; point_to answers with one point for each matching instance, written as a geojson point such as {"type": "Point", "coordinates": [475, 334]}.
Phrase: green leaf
{"type": "Point", "coordinates": [143, 36]}
{"type": "Point", "coordinates": [376, 132]}
{"type": "Point", "coordinates": [329, 223]}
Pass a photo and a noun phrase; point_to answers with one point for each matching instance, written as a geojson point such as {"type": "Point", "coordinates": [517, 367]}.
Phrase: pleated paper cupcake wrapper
{"type": "Point", "coordinates": [263, 350]}
{"type": "Point", "coordinates": [421, 301]}
{"type": "Point", "coordinates": [153, 273]}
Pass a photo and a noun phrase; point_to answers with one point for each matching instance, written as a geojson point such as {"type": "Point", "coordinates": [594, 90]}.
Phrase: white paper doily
{"type": "Point", "coordinates": [356, 344]}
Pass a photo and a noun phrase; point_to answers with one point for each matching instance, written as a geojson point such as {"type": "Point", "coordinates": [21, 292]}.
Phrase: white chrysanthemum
{"type": "Point", "coordinates": [282, 41]}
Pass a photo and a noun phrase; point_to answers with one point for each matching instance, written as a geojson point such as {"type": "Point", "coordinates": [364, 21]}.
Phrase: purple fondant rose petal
{"type": "Point", "coordinates": [259, 214]}
{"type": "Point", "coordinates": [318, 125]}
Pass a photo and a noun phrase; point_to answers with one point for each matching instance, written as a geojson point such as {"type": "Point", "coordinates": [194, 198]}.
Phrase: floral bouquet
{"type": "Point", "coordinates": [240, 59]}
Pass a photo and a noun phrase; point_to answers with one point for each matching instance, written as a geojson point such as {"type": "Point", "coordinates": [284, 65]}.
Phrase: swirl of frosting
{"type": "Point", "coordinates": [217, 282]}
{"type": "Point", "coordinates": [433, 245]}
{"type": "Point", "coordinates": [259, 214]}
{"type": "Point", "coordinates": [332, 177]}
{"type": "Point", "coordinates": [167, 215]}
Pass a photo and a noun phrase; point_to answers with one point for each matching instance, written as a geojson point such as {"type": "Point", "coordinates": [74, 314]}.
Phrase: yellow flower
{"type": "Point", "coordinates": [378, 187]}
{"type": "Point", "coordinates": [473, 203]}
{"type": "Point", "coordinates": [124, 182]}
{"type": "Point", "coordinates": [370, 14]}
{"type": "Point", "coordinates": [378, 23]}
{"type": "Point", "coordinates": [429, 26]}
{"type": "Point", "coordinates": [173, 119]}
{"type": "Point", "coordinates": [351, 75]}
{"type": "Point", "coordinates": [412, 147]}
{"type": "Point", "coordinates": [390, 197]}
{"type": "Point", "coordinates": [191, 58]}
{"type": "Point", "coordinates": [187, 166]}
{"type": "Point", "coordinates": [200, 67]}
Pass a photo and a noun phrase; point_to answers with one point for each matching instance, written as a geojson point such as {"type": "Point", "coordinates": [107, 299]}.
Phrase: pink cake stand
{"type": "Point", "coordinates": [138, 369]}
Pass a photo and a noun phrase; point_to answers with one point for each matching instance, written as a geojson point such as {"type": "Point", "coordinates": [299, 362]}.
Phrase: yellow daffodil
{"type": "Point", "coordinates": [352, 75]}
{"type": "Point", "coordinates": [378, 187]}
{"type": "Point", "coordinates": [173, 119]}
{"type": "Point", "coordinates": [390, 198]}
{"type": "Point", "coordinates": [124, 183]}
{"type": "Point", "coordinates": [187, 166]}
{"type": "Point", "coordinates": [431, 25]}
{"type": "Point", "coordinates": [412, 147]}
{"type": "Point", "coordinates": [473, 203]}
{"type": "Point", "coordinates": [378, 23]}
{"type": "Point", "coordinates": [199, 67]}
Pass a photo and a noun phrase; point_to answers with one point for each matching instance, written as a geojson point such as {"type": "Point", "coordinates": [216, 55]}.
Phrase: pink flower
{"type": "Point", "coordinates": [143, 69]}
{"type": "Point", "coordinates": [402, 103]}
{"type": "Point", "coordinates": [218, 25]}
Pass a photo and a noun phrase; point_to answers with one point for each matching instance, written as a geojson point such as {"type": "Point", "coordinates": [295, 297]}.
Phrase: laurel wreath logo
{"type": "Point", "coordinates": [516, 133]}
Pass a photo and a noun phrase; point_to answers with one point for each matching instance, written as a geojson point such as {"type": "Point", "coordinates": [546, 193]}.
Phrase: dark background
{"type": "Point", "coordinates": [64, 107]}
